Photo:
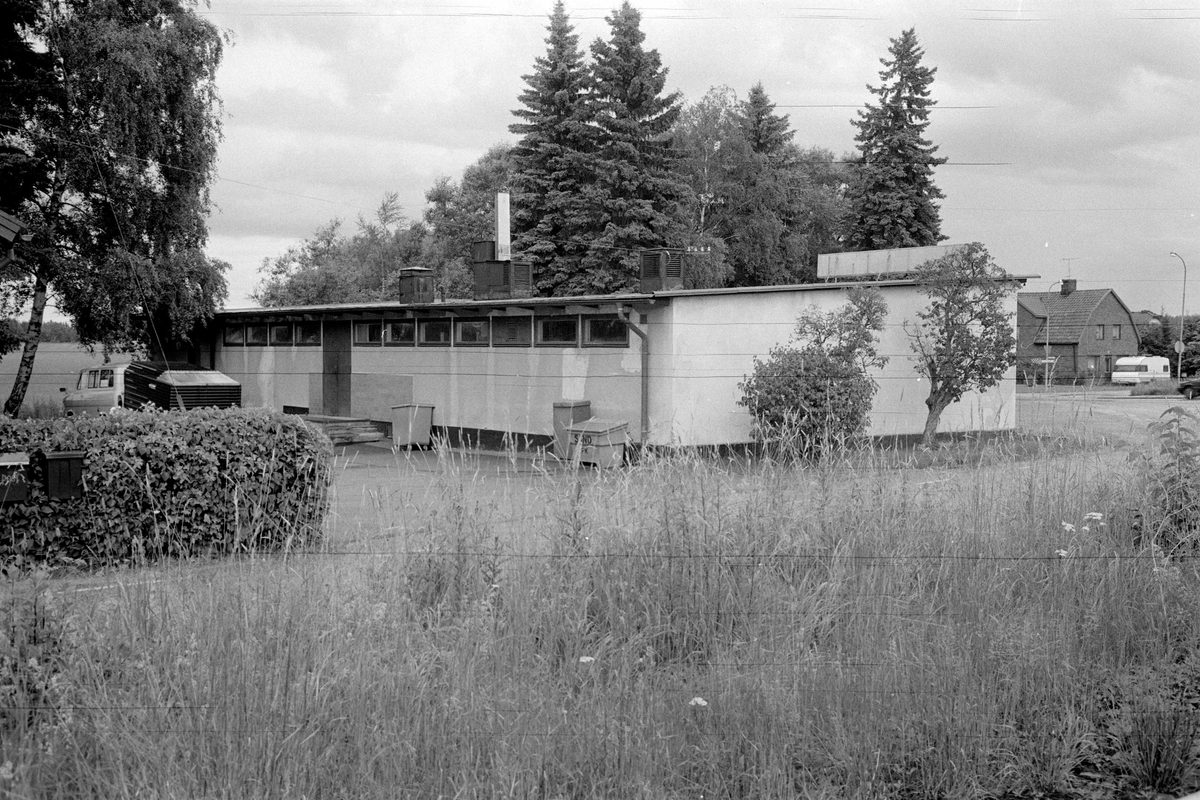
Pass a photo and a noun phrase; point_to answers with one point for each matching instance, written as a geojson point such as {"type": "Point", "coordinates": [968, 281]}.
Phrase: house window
{"type": "Point", "coordinates": [605, 332]}
{"type": "Point", "coordinates": [399, 332]}
{"type": "Point", "coordinates": [235, 336]}
{"type": "Point", "coordinates": [1116, 331]}
{"type": "Point", "coordinates": [560, 331]}
{"type": "Point", "coordinates": [1099, 332]}
{"type": "Point", "coordinates": [368, 333]}
{"type": "Point", "coordinates": [281, 334]}
{"type": "Point", "coordinates": [471, 332]}
{"type": "Point", "coordinates": [512, 331]}
{"type": "Point", "coordinates": [434, 332]}
{"type": "Point", "coordinates": [308, 333]}
{"type": "Point", "coordinates": [256, 335]}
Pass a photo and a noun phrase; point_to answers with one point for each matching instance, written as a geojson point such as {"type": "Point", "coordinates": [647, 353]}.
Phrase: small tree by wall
{"type": "Point", "coordinates": [814, 394]}
{"type": "Point", "coordinates": [964, 339]}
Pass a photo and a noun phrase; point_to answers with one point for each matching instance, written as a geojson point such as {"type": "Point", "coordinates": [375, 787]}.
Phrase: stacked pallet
{"type": "Point", "coordinates": [346, 430]}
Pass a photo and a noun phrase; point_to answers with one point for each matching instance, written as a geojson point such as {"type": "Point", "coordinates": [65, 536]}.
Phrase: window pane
{"type": "Point", "coordinates": [511, 331]}
{"type": "Point", "coordinates": [605, 330]}
{"type": "Point", "coordinates": [308, 333]}
{"type": "Point", "coordinates": [106, 379]}
{"type": "Point", "coordinates": [471, 331]}
{"type": "Point", "coordinates": [256, 334]}
{"type": "Point", "coordinates": [435, 331]}
{"type": "Point", "coordinates": [368, 332]}
{"type": "Point", "coordinates": [558, 330]}
{"type": "Point", "coordinates": [235, 335]}
{"type": "Point", "coordinates": [399, 331]}
{"type": "Point", "coordinates": [1099, 331]}
{"type": "Point", "coordinates": [1116, 331]}
{"type": "Point", "coordinates": [281, 334]}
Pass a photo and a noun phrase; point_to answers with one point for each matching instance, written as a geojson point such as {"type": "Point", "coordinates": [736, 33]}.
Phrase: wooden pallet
{"type": "Point", "coordinates": [345, 430]}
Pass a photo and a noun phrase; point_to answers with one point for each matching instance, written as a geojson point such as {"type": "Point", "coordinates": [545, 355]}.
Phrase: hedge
{"type": "Point", "coordinates": [167, 485]}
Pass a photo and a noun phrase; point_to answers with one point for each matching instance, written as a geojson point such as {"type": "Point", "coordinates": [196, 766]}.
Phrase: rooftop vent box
{"type": "Point", "coordinates": [500, 280]}
{"type": "Point", "coordinates": [483, 251]}
{"type": "Point", "coordinates": [416, 285]}
{"type": "Point", "coordinates": [662, 268]}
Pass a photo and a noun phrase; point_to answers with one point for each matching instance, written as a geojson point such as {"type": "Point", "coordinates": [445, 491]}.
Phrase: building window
{"type": "Point", "coordinates": [368, 333]}
{"type": "Point", "coordinates": [281, 334]}
{"type": "Point", "coordinates": [308, 333]}
{"type": "Point", "coordinates": [512, 331]}
{"type": "Point", "coordinates": [1099, 332]}
{"type": "Point", "coordinates": [559, 331]}
{"type": "Point", "coordinates": [1108, 365]}
{"type": "Point", "coordinates": [434, 332]}
{"type": "Point", "coordinates": [235, 336]}
{"type": "Point", "coordinates": [256, 335]}
{"type": "Point", "coordinates": [605, 332]}
{"type": "Point", "coordinates": [1116, 331]}
{"type": "Point", "coordinates": [471, 332]}
{"type": "Point", "coordinates": [399, 332]}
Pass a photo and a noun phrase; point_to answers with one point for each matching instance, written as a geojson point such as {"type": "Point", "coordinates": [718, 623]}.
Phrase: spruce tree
{"type": "Point", "coordinates": [553, 160]}
{"type": "Point", "coordinates": [893, 193]}
{"type": "Point", "coordinates": [767, 132]}
{"type": "Point", "coordinates": [634, 196]}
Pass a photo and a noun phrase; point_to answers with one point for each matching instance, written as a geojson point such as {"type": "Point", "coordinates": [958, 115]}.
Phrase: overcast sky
{"type": "Point", "coordinates": [1072, 129]}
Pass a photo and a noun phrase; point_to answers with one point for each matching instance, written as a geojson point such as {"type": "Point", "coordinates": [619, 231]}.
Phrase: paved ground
{"type": "Point", "coordinates": [1107, 414]}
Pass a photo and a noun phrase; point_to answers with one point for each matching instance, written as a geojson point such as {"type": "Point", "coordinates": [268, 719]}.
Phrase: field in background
{"type": "Point", "coordinates": [56, 366]}
{"type": "Point", "coordinates": [979, 622]}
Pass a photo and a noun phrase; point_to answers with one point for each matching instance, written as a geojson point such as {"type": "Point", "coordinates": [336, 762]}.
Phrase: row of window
{"type": "Point", "coordinates": [276, 334]}
{"type": "Point", "coordinates": [1116, 331]}
{"type": "Point", "coordinates": [590, 331]}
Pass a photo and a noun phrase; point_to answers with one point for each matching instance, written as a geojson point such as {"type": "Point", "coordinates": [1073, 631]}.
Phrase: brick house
{"type": "Point", "coordinates": [1084, 332]}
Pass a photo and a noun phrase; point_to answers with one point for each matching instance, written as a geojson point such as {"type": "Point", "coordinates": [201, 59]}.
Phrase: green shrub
{"type": "Point", "coordinates": [173, 484]}
{"type": "Point", "coordinates": [1170, 475]}
{"type": "Point", "coordinates": [807, 399]}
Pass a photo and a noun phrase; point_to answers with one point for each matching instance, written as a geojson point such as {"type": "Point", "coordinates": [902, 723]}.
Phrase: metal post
{"type": "Point", "coordinates": [1182, 313]}
{"type": "Point", "coordinates": [1046, 360]}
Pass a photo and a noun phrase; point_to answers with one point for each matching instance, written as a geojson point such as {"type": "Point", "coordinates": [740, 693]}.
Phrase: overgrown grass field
{"type": "Point", "coordinates": [1014, 624]}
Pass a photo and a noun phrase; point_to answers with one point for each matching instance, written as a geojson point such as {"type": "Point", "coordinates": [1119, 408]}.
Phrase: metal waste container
{"type": "Point", "coordinates": [412, 425]}
{"type": "Point", "coordinates": [566, 414]}
{"type": "Point", "coordinates": [599, 441]}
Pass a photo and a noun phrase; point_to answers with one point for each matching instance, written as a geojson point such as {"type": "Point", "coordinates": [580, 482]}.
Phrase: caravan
{"type": "Point", "coordinates": [1141, 369]}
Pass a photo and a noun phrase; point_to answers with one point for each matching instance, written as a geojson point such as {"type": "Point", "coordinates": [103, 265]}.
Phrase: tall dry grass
{"type": "Point", "coordinates": [685, 628]}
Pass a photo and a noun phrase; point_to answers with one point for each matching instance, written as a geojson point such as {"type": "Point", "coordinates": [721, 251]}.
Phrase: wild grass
{"type": "Point", "coordinates": [683, 628]}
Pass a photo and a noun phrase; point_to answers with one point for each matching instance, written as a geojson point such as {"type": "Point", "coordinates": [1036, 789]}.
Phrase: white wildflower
{"type": "Point", "coordinates": [6, 771]}
{"type": "Point", "coordinates": [586, 659]}
{"type": "Point", "coordinates": [1095, 516]}
{"type": "Point", "coordinates": [1061, 553]}
{"type": "Point", "coordinates": [698, 701]}
{"type": "Point", "coordinates": [1068, 527]}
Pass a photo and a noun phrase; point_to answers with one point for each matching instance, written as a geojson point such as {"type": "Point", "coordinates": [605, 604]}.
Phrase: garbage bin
{"type": "Point", "coordinates": [411, 425]}
{"type": "Point", "coordinates": [62, 474]}
{"type": "Point", "coordinates": [566, 414]}
{"type": "Point", "coordinates": [598, 441]}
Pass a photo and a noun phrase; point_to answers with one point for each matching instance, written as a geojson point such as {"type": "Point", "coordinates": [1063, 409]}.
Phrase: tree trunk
{"type": "Point", "coordinates": [936, 406]}
{"type": "Point", "coordinates": [33, 335]}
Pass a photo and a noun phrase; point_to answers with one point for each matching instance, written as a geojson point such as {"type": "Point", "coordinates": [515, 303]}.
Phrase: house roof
{"type": "Point", "coordinates": [605, 303]}
{"type": "Point", "coordinates": [1069, 314]}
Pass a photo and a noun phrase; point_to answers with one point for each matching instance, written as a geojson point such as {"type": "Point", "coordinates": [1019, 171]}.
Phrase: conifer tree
{"type": "Point", "coordinates": [767, 132]}
{"type": "Point", "coordinates": [893, 194]}
{"type": "Point", "coordinates": [553, 160]}
{"type": "Point", "coordinates": [634, 196]}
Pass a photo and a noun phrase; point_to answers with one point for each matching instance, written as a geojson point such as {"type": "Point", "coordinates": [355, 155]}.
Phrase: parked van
{"type": "Point", "coordinates": [1141, 369]}
{"type": "Point", "coordinates": [163, 384]}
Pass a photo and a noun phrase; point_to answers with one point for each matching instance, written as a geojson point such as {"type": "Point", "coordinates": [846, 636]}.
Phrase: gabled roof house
{"type": "Point", "coordinates": [1081, 331]}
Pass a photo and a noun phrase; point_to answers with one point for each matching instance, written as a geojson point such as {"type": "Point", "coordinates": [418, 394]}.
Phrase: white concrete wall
{"type": "Point", "coordinates": [703, 346]}
{"type": "Point", "coordinates": [273, 377]}
{"type": "Point", "coordinates": [501, 388]}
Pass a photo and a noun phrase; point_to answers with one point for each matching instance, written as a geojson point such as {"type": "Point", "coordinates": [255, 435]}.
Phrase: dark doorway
{"type": "Point", "coordinates": [335, 389]}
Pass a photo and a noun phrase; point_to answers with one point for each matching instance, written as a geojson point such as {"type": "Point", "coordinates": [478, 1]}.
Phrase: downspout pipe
{"type": "Point", "coordinates": [623, 314]}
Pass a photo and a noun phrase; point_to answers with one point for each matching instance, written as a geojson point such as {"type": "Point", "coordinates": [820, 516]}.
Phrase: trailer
{"type": "Point", "coordinates": [1132, 370]}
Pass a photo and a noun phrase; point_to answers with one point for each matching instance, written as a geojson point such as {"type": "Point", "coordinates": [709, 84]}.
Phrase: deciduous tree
{"type": "Point", "coordinates": [963, 340]}
{"type": "Point", "coordinates": [116, 140]}
{"type": "Point", "coordinates": [893, 196]}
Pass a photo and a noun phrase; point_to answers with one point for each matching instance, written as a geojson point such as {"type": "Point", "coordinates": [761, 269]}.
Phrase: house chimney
{"type": "Point", "coordinates": [1069, 285]}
